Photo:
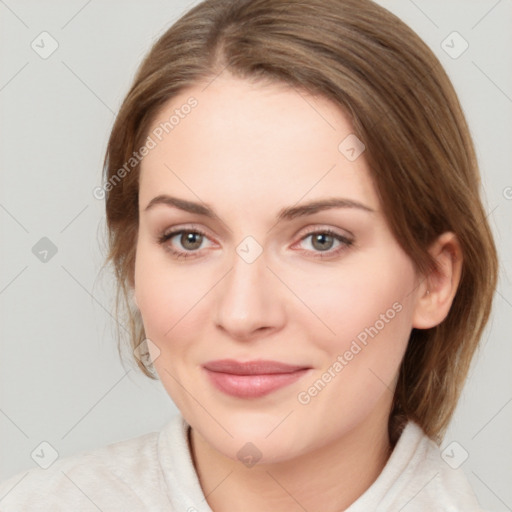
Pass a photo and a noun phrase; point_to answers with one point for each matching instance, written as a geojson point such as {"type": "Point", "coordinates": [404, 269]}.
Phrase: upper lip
{"type": "Point", "coordinates": [259, 367]}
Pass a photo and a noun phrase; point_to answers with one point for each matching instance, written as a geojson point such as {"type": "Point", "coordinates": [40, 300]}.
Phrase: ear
{"type": "Point", "coordinates": [437, 289]}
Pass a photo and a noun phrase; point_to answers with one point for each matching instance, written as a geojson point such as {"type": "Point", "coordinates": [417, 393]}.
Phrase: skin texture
{"type": "Point", "coordinates": [247, 151]}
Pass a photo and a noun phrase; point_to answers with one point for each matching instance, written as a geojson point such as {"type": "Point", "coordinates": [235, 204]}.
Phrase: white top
{"type": "Point", "coordinates": [155, 472]}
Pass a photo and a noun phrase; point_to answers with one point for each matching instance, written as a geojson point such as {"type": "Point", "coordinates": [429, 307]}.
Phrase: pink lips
{"type": "Point", "coordinates": [251, 379]}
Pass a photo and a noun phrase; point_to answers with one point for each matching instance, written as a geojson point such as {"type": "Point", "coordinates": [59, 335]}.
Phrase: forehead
{"type": "Point", "coordinates": [242, 142]}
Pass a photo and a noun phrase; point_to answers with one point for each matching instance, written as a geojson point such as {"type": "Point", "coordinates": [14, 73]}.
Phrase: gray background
{"type": "Point", "coordinates": [61, 380]}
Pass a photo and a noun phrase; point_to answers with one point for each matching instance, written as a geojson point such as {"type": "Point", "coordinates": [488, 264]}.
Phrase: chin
{"type": "Point", "coordinates": [256, 449]}
{"type": "Point", "coordinates": [257, 435]}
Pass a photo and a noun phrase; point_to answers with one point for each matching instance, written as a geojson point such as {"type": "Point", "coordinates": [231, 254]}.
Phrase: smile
{"type": "Point", "coordinates": [252, 379]}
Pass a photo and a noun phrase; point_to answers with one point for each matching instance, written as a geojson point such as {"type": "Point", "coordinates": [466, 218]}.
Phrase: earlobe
{"type": "Point", "coordinates": [437, 289]}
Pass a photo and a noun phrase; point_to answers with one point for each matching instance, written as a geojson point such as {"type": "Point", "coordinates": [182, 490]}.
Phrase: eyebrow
{"type": "Point", "coordinates": [289, 213]}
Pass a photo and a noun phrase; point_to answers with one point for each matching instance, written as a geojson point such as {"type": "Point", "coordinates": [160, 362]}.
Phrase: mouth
{"type": "Point", "coordinates": [252, 379]}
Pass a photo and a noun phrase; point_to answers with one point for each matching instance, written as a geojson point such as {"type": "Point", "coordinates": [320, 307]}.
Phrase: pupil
{"type": "Point", "coordinates": [189, 240]}
{"type": "Point", "coordinates": [324, 240]}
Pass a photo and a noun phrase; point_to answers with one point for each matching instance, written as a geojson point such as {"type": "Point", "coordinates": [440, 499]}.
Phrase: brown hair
{"type": "Point", "coordinates": [402, 106]}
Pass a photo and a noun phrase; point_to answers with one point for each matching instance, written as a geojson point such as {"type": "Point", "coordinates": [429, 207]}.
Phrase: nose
{"type": "Point", "coordinates": [249, 301]}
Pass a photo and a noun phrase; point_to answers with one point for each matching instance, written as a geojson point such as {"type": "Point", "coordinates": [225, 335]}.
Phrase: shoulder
{"type": "Point", "coordinates": [107, 478]}
{"type": "Point", "coordinates": [449, 482]}
{"type": "Point", "coordinates": [416, 478]}
{"type": "Point", "coordinates": [428, 478]}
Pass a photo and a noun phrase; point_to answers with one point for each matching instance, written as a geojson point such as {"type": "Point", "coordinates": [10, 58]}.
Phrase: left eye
{"type": "Point", "coordinates": [324, 241]}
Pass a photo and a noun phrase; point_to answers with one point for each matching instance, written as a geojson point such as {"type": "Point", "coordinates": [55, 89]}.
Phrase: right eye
{"type": "Point", "coordinates": [190, 241]}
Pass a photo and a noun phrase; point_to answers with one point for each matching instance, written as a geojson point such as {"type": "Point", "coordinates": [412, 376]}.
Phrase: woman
{"type": "Point", "coordinates": [292, 199]}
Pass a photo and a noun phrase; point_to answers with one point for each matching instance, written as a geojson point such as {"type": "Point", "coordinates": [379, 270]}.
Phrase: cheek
{"type": "Point", "coordinates": [171, 303]}
{"type": "Point", "coordinates": [370, 310]}
{"type": "Point", "coordinates": [170, 299]}
{"type": "Point", "coordinates": [361, 299]}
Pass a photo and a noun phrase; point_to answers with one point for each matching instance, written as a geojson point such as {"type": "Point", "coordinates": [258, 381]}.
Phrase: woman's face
{"type": "Point", "coordinates": [235, 264]}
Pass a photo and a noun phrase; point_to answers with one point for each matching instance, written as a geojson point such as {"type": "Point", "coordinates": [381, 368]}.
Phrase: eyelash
{"type": "Point", "coordinates": [162, 239]}
{"type": "Point", "coordinates": [346, 242]}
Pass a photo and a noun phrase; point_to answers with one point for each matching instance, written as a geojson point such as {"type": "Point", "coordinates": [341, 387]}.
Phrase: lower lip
{"type": "Point", "coordinates": [252, 386]}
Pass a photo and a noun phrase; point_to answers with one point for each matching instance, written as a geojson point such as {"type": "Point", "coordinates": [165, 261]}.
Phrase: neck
{"type": "Point", "coordinates": [329, 479]}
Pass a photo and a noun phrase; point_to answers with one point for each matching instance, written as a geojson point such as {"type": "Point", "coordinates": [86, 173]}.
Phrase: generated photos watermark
{"type": "Point", "coordinates": [152, 141]}
{"type": "Point", "coordinates": [356, 346]}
